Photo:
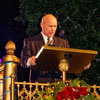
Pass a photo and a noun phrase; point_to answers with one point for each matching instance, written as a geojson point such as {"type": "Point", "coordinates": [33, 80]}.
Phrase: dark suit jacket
{"type": "Point", "coordinates": [31, 47]}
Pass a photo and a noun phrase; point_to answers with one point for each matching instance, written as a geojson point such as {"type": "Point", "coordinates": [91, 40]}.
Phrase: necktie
{"type": "Point", "coordinates": [49, 42]}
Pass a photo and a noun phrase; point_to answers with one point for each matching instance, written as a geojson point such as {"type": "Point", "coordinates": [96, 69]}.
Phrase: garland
{"type": "Point", "coordinates": [70, 90]}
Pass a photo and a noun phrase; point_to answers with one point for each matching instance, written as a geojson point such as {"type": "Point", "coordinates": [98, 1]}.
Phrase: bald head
{"type": "Point", "coordinates": [49, 25]}
{"type": "Point", "coordinates": [48, 17]}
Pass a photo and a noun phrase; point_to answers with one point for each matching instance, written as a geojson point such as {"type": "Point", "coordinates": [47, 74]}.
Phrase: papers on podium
{"type": "Point", "coordinates": [39, 52]}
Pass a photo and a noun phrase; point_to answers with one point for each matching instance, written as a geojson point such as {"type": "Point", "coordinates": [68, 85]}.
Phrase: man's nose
{"type": "Point", "coordinates": [53, 28]}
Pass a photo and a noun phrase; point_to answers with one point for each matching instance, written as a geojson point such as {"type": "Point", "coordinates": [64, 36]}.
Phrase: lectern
{"type": "Point", "coordinates": [49, 57]}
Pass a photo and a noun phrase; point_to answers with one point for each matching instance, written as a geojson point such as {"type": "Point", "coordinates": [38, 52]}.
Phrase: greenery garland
{"type": "Point", "coordinates": [53, 89]}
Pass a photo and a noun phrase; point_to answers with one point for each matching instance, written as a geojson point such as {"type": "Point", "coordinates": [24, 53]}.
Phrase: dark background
{"type": "Point", "coordinates": [9, 28]}
{"type": "Point", "coordinates": [12, 30]}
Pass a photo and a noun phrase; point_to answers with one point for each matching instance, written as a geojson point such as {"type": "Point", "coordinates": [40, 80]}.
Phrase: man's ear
{"type": "Point", "coordinates": [41, 25]}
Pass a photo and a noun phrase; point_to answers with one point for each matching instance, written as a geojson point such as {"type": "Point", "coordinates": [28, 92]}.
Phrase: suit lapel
{"type": "Point", "coordinates": [56, 43]}
{"type": "Point", "coordinates": [38, 43]}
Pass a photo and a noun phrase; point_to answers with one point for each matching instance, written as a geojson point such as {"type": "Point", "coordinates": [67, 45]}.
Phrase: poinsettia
{"type": "Point", "coordinates": [71, 92]}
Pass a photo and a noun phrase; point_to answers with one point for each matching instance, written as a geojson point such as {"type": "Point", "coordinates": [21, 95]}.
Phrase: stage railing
{"type": "Point", "coordinates": [30, 91]}
{"type": "Point", "coordinates": [10, 89]}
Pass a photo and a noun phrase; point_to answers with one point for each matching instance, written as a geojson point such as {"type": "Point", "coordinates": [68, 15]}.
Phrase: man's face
{"type": "Point", "coordinates": [49, 27]}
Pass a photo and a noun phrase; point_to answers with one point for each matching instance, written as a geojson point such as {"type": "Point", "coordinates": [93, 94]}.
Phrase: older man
{"type": "Point", "coordinates": [33, 44]}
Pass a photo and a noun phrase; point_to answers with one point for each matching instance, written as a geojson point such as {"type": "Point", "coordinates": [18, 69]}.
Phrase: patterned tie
{"type": "Point", "coordinates": [49, 42]}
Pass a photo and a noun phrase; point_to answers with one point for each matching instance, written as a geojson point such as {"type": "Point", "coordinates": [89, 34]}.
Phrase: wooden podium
{"type": "Point", "coordinates": [49, 57]}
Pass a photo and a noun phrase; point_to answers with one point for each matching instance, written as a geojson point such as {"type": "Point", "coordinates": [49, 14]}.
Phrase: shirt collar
{"type": "Point", "coordinates": [46, 38]}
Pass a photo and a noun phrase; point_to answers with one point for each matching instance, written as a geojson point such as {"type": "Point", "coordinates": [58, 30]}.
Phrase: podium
{"type": "Point", "coordinates": [49, 57]}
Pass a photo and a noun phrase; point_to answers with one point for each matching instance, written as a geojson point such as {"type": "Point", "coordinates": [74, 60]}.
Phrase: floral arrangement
{"type": "Point", "coordinates": [70, 90]}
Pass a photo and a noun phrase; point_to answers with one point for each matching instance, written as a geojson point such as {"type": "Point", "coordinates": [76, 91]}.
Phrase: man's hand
{"type": "Point", "coordinates": [87, 66]}
{"type": "Point", "coordinates": [32, 61]}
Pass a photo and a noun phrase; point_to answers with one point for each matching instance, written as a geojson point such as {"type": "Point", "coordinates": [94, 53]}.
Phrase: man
{"type": "Point", "coordinates": [33, 44]}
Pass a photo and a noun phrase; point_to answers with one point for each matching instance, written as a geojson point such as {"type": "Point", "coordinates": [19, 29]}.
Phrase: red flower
{"type": "Point", "coordinates": [63, 94]}
{"type": "Point", "coordinates": [72, 92]}
{"type": "Point", "coordinates": [83, 91]}
{"type": "Point", "coordinates": [77, 91]}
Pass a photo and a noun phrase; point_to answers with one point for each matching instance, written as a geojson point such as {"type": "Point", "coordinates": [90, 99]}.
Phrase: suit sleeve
{"type": "Point", "coordinates": [26, 53]}
{"type": "Point", "coordinates": [67, 44]}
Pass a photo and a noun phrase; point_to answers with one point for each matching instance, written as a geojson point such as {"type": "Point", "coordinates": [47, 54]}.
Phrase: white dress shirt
{"type": "Point", "coordinates": [46, 38]}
